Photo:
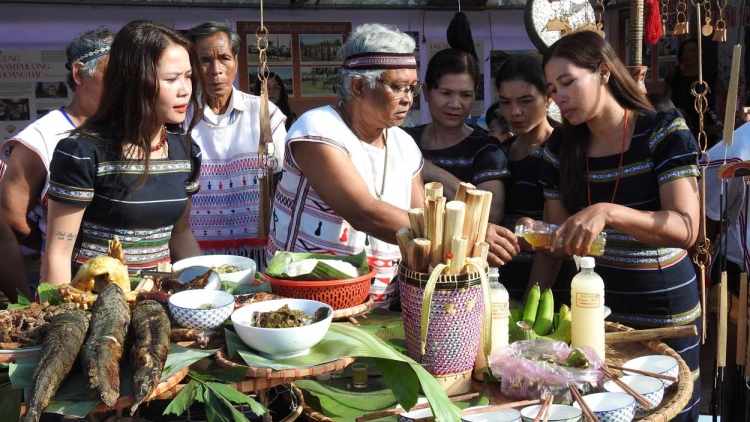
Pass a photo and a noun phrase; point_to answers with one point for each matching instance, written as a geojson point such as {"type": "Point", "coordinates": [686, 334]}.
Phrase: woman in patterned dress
{"type": "Point", "coordinates": [622, 168]}
{"type": "Point", "coordinates": [129, 170]}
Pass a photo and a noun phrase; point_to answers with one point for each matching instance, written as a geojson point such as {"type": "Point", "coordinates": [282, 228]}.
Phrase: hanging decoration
{"type": "Point", "coordinates": [664, 17]}
{"type": "Point", "coordinates": [266, 160]}
{"type": "Point", "coordinates": [653, 26]}
{"type": "Point", "coordinates": [565, 11]}
{"type": "Point", "coordinates": [682, 27]}
{"type": "Point", "coordinates": [589, 22]}
{"type": "Point", "coordinates": [557, 22]}
{"type": "Point", "coordinates": [720, 30]}
{"type": "Point", "coordinates": [599, 10]}
{"type": "Point", "coordinates": [635, 41]}
{"type": "Point", "coordinates": [707, 28]}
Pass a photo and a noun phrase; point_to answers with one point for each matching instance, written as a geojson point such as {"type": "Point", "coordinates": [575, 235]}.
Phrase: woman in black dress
{"type": "Point", "coordinates": [523, 101]}
{"type": "Point", "coordinates": [622, 168]}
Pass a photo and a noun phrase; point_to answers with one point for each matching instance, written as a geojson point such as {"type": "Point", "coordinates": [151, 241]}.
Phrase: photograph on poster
{"type": "Point", "coordinates": [667, 48]}
{"type": "Point", "coordinates": [41, 113]}
{"type": "Point", "coordinates": [666, 68]}
{"type": "Point", "coordinates": [51, 90]}
{"type": "Point", "coordinates": [279, 49]}
{"type": "Point", "coordinates": [285, 73]}
{"type": "Point", "coordinates": [15, 109]}
{"type": "Point", "coordinates": [318, 81]}
{"type": "Point", "coordinates": [319, 48]}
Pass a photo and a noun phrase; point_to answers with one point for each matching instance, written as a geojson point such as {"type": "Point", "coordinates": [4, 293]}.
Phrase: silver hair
{"type": "Point", "coordinates": [207, 29]}
{"type": "Point", "coordinates": [369, 38]}
{"type": "Point", "coordinates": [93, 39]}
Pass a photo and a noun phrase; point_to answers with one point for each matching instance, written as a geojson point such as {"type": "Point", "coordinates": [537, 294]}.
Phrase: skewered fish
{"type": "Point", "coordinates": [65, 335]}
{"type": "Point", "coordinates": [150, 334]}
{"type": "Point", "coordinates": [102, 352]}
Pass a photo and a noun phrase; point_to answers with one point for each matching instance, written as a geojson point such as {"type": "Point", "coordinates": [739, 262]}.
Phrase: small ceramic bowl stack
{"type": "Point", "coordinates": [611, 407]}
{"type": "Point", "coordinates": [419, 415]}
{"type": "Point", "coordinates": [652, 389]}
{"type": "Point", "coordinates": [201, 309]}
{"type": "Point", "coordinates": [658, 364]}
{"type": "Point", "coordinates": [557, 413]}
{"type": "Point", "coordinates": [500, 415]}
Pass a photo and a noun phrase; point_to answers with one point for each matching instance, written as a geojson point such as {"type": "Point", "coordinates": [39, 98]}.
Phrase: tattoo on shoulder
{"type": "Point", "coordinates": [61, 235]}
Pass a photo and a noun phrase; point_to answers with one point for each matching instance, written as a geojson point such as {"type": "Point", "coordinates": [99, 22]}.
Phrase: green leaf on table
{"type": "Point", "coordinates": [10, 399]}
{"type": "Point", "coordinates": [343, 340]}
{"type": "Point", "coordinates": [228, 393]}
{"type": "Point", "coordinates": [21, 303]}
{"type": "Point", "coordinates": [182, 401]}
{"type": "Point", "coordinates": [49, 293]}
{"type": "Point", "coordinates": [278, 265]}
{"type": "Point", "coordinates": [406, 388]}
{"type": "Point", "coordinates": [241, 289]}
{"type": "Point", "coordinates": [229, 374]}
{"type": "Point", "coordinates": [181, 357]}
{"type": "Point", "coordinates": [343, 404]}
{"type": "Point", "coordinates": [237, 416]}
{"type": "Point", "coordinates": [216, 411]}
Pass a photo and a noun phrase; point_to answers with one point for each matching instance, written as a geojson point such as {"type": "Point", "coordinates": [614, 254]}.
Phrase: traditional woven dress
{"type": "Point", "coordinates": [524, 198]}
{"type": "Point", "coordinates": [302, 222]}
{"type": "Point", "coordinates": [645, 286]}
{"type": "Point", "coordinates": [224, 214]}
{"type": "Point", "coordinates": [85, 173]}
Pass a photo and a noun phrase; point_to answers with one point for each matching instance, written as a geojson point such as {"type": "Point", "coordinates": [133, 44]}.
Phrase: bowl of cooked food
{"type": "Point", "coordinates": [201, 309]}
{"type": "Point", "coordinates": [282, 328]}
{"type": "Point", "coordinates": [236, 269]}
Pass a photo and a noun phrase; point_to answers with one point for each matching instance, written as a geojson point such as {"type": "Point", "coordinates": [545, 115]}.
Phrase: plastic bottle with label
{"type": "Point", "coordinates": [499, 301]}
{"type": "Point", "coordinates": [587, 308]}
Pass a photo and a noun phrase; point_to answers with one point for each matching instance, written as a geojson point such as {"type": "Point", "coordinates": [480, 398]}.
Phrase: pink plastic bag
{"type": "Point", "coordinates": [532, 369]}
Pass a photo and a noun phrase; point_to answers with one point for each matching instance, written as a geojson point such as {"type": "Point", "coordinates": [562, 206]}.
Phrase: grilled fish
{"type": "Point", "coordinates": [102, 353]}
{"type": "Point", "coordinates": [149, 328]}
{"type": "Point", "coordinates": [65, 335]}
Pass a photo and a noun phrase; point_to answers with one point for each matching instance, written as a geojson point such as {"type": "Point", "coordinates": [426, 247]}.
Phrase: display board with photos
{"type": "Point", "coordinates": [303, 54]}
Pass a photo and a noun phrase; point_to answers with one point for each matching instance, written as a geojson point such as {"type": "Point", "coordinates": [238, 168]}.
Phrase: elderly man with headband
{"type": "Point", "coordinates": [23, 187]}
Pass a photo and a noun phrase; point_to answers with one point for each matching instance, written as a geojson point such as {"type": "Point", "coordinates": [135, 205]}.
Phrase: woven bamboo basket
{"type": "Point", "coordinates": [287, 374]}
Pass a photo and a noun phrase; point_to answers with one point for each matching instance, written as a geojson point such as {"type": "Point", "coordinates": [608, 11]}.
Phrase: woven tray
{"type": "Point", "coordinates": [11, 355]}
{"type": "Point", "coordinates": [347, 313]}
{"type": "Point", "coordinates": [286, 374]}
{"type": "Point", "coordinates": [163, 391]}
{"type": "Point", "coordinates": [674, 399]}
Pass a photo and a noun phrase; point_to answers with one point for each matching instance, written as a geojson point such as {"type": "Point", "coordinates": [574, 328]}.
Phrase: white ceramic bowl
{"type": "Point", "coordinates": [247, 265]}
{"type": "Point", "coordinates": [610, 407]}
{"type": "Point", "coordinates": [500, 415]}
{"type": "Point", "coordinates": [421, 415]}
{"type": "Point", "coordinates": [185, 308]}
{"type": "Point", "coordinates": [557, 413]}
{"type": "Point", "coordinates": [652, 389]}
{"type": "Point", "coordinates": [281, 343]}
{"type": "Point", "coordinates": [658, 364]}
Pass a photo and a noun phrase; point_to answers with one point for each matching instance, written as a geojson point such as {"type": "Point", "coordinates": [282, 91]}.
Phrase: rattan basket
{"type": "Point", "coordinates": [339, 294]}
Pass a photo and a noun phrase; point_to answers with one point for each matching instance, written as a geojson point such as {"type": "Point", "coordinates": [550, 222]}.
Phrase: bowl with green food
{"type": "Point", "coordinates": [282, 328]}
{"type": "Point", "coordinates": [237, 269]}
{"type": "Point", "coordinates": [200, 308]}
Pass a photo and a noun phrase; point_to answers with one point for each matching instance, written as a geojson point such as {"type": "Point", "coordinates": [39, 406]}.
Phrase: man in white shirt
{"type": "Point", "coordinates": [23, 186]}
{"type": "Point", "coordinates": [225, 212]}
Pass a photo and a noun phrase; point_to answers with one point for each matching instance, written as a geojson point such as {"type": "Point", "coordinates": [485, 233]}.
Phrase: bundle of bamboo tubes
{"type": "Point", "coordinates": [447, 232]}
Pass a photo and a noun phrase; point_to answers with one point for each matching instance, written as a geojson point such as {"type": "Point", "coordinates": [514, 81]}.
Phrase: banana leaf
{"type": "Point", "coordinates": [281, 261]}
{"type": "Point", "coordinates": [75, 398]}
{"type": "Point", "coordinates": [403, 375]}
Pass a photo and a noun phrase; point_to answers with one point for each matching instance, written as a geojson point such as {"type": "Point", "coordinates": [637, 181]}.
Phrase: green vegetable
{"type": "Point", "coordinates": [322, 271]}
{"type": "Point", "coordinates": [532, 305]}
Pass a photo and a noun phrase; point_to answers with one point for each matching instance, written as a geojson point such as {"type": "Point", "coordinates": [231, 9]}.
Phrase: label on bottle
{"type": "Point", "coordinates": [588, 300]}
{"type": "Point", "coordinates": [500, 310]}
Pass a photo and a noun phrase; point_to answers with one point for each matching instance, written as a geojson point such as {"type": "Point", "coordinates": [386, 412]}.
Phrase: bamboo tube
{"type": "Point", "coordinates": [463, 187]}
{"type": "Point", "coordinates": [473, 215]}
{"type": "Point", "coordinates": [458, 246]}
{"type": "Point", "coordinates": [433, 190]}
{"type": "Point", "coordinates": [650, 334]}
{"type": "Point", "coordinates": [403, 237]}
{"type": "Point", "coordinates": [454, 223]}
{"type": "Point", "coordinates": [433, 221]}
{"type": "Point", "coordinates": [480, 250]}
{"type": "Point", "coordinates": [485, 217]}
{"type": "Point", "coordinates": [416, 221]}
{"type": "Point", "coordinates": [419, 254]}
{"type": "Point", "coordinates": [731, 109]}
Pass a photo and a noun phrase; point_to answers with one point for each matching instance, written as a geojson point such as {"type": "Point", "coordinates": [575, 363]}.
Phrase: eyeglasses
{"type": "Point", "coordinates": [401, 91]}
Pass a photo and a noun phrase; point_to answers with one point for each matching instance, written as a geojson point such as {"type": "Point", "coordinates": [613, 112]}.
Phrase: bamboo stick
{"type": "Point", "coordinates": [480, 250]}
{"type": "Point", "coordinates": [403, 237]}
{"type": "Point", "coordinates": [433, 190]}
{"type": "Point", "coordinates": [587, 413]}
{"type": "Point", "coordinates": [492, 408]}
{"type": "Point", "coordinates": [463, 187]}
{"type": "Point", "coordinates": [419, 254]}
{"type": "Point", "coordinates": [543, 409]}
{"type": "Point", "coordinates": [485, 218]}
{"type": "Point", "coordinates": [458, 246]}
{"type": "Point", "coordinates": [646, 373]}
{"type": "Point", "coordinates": [650, 334]}
{"type": "Point", "coordinates": [730, 113]}
{"type": "Point", "coordinates": [473, 215]}
{"type": "Point", "coordinates": [393, 412]}
{"type": "Point", "coordinates": [453, 225]}
{"type": "Point", "coordinates": [433, 221]}
{"type": "Point", "coordinates": [626, 388]}
{"type": "Point", "coordinates": [416, 221]}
